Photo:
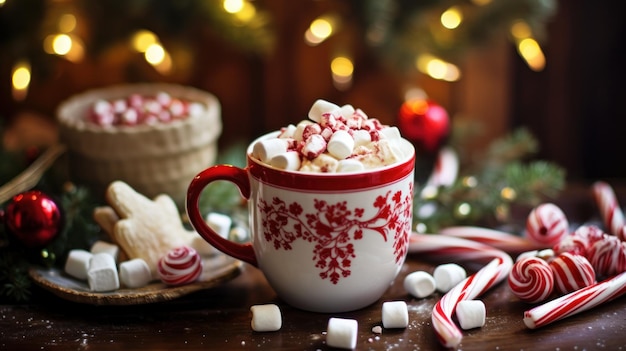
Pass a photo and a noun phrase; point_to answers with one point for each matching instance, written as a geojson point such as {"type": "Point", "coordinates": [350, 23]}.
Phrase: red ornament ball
{"type": "Point", "coordinates": [424, 123]}
{"type": "Point", "coordinates": [33, 218]}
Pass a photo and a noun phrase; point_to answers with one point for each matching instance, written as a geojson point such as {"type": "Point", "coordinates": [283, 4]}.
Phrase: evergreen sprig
{"type": "Point", "coordinates": [488, 193]}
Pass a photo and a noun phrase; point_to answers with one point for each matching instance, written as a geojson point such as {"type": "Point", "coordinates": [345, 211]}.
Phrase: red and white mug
{"type": "Point", "coordinates": [326, 242]}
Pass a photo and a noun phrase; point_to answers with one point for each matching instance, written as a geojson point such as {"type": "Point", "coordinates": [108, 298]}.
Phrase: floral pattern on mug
{"type": "Point", "coordinates": [334, 228]}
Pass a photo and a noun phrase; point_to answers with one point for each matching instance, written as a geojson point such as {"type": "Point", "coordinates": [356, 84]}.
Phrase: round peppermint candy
{"type": "Point", "coordinates": [181, 265]}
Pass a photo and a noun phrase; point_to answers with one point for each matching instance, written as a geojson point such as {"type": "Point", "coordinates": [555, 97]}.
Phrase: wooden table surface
{"type": "Point", "coordinates": [219, 319]}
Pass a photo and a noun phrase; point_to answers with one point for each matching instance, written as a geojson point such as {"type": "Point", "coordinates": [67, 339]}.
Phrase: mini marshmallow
{"type": "Point", "coordinates": [341, 333]}
{"type": "Point", "coordinates": [297, 134]}
{"type": "Point", "coordinates": [391, 133]}
{"type": "Point", "coordinates": [266, 318]}
{"type": "Point", "coordinates": [346, 111]}
{"type": "Point", "coordinates": [395, 314]}
{"type": "Point", "coordinates": [77, 263]}
{"type": "Point", "coordinates": [289, 161]}
{"type": "Point", "coordinates": [340, 144]}
{"type": "Point", "coordinates": [219, 223]}
{"type": "Point", "coordinates": [349, 165]}
{"type": "Point", "coordinates": [361, 137]}
{"type": "Point", "coordinates": [102, 274]}
{"type": "Point", "coordinates": [320, 107]}
{"type": "Point", "coordinates": [546, 254]}
{"type": "Point", "coordinates": [239, 233]}
{"type": "Point", "coordinates": [448, 275]}
{"type": "Point", "coordinates": [287, 132]}
{"type": "Point", "coordinates": [470, 314]}
{"type": "Point", "coordinates": [314, 146]}
{"type": "Point", "coordinates": [265, 149]}
{"type": "Point", "coordinates": [103, 246]}
{"type": "Point", "coordinates": [420, 284]}
{"type": "Point", "coordinates": [135, 273]}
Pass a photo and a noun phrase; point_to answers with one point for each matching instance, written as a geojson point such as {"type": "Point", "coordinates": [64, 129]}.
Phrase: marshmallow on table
{"type": "Point", "coordinates": [448, 275]}
{"type": "Point", "coordinates": [103, 246]}
{"type": "Point", "coordinates": [135, 273]}
{"type": "Point", "coordinates": [395, 314]}
{"type": "Point", "coordinates": [265, 149]}
{"type": "Point", "coordinates": [321, 107]}
{"type": "Point", "coordinates": [340, 144]}
{"type": "Point", "coordinates": [102, 274]}
{"type": "Point", "coordinates": [341, 333]}
{"type": "Point", "coordinates": [77, 263]}
{"type": "Point", "coordinates": [265, 318]}
{"type": "Point", "coordinates": [420, 284]}
{"type": "Point", "coordinates": [470, 314]}
{"type": "Point", "coordinates": [289, 161]}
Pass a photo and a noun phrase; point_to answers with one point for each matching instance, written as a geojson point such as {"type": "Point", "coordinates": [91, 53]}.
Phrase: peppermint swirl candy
{"type": "Point", "coordinates": [546, 224]}
{"type": "Point", "coordinates": [531, 279]}
{"type": "Point", "coordinates": [607, 256]}
{"type": "Point", "coordinates": [181, 265]}
{"type": "Point", "coordinates": [572, 272]}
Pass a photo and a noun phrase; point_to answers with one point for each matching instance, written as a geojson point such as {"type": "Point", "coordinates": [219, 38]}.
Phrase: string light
{"type": "Point", "coordinates": [342, 69]}
{"type": "Point", "coordinates": [243, 10]}
{"type": "Point", "coordinates": [451, 18]}
{"type": "Point", "coordinates": [20, 79]}
{"type": "Point", "coordinates": [321, 29]}
{"type": "Point", "coordinates": [531, 52]}
{"type": "Point", "coordinates": [438, 68]}
{"type": "Point", "coordinates": [142, 39]}
{"type": "Point", "coordinates": [527, 47]}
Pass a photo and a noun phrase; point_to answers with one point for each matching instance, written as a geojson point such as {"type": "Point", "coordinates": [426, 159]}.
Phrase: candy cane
{"type": "Point", "coordinates": [450, 248]}
{"type": "Point", "coordinates": [609, 208]}
{"type": "Point", "coordinates": [576, 302]}
{"type": "Point", "coordinates": [497, 239]}
{"type": "Point", "coordinates": [494, 272]}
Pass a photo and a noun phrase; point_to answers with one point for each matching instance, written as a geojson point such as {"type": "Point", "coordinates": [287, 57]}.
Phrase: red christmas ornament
{"type": "Point", "coordinates": [424, 123]}
{"type": "Point", "coordinates": [33, 218]}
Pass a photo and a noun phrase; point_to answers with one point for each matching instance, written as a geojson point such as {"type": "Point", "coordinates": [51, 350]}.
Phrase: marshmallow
{"type": "Point", "coordinates": [340, 144]}
{"type": "Point", "coordinates": [297, 134]}
{"type": "Point", "coordinates": [103, 246]}
{"type": "Point", "coordinates": [265, 149]}
{"type": "Point", "coordinates": [349, 165]}
{"type": "Point", "coordinates": [391, 133]}
{"type": "Point", "coordinates": [314, 146]}
{"type": "Point", "coordinates": [470, 314]}
{"type": "Point", "coordinates": [448, 275]}
{"type": "Point", "coordinates": [102, 274]}
{"type": "Point", "coordinates": [361, 137]}
{"type": "Point", "coordinates": [266, 318]}
{"type": "Point", "coordinates": [135, 273]}
{"type": "Point", "coordinates": [341, 333]}
{"type": "Point", "coordinates": [395, 314]}
{"type": "Point", "coordinates": [219, 223]}
{"type": "Point", "coordinates": [526, 254]}
{"type": "Point", "coordinates": [289, 161]}
{"type": "Point", "coordinates": [346, 111]}
{"type": "Point", "coordinates": [420, 284]}
{"type": "Point", "coordinates": [287, 132]}
{"type": "Point", "coordinates": [321, 107]}
{"type": "Point", "coordinates": [77, 263]}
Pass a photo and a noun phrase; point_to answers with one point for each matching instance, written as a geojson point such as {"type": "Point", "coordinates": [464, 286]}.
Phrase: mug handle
{"type": "Point", "coordinates": [235, 175]}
